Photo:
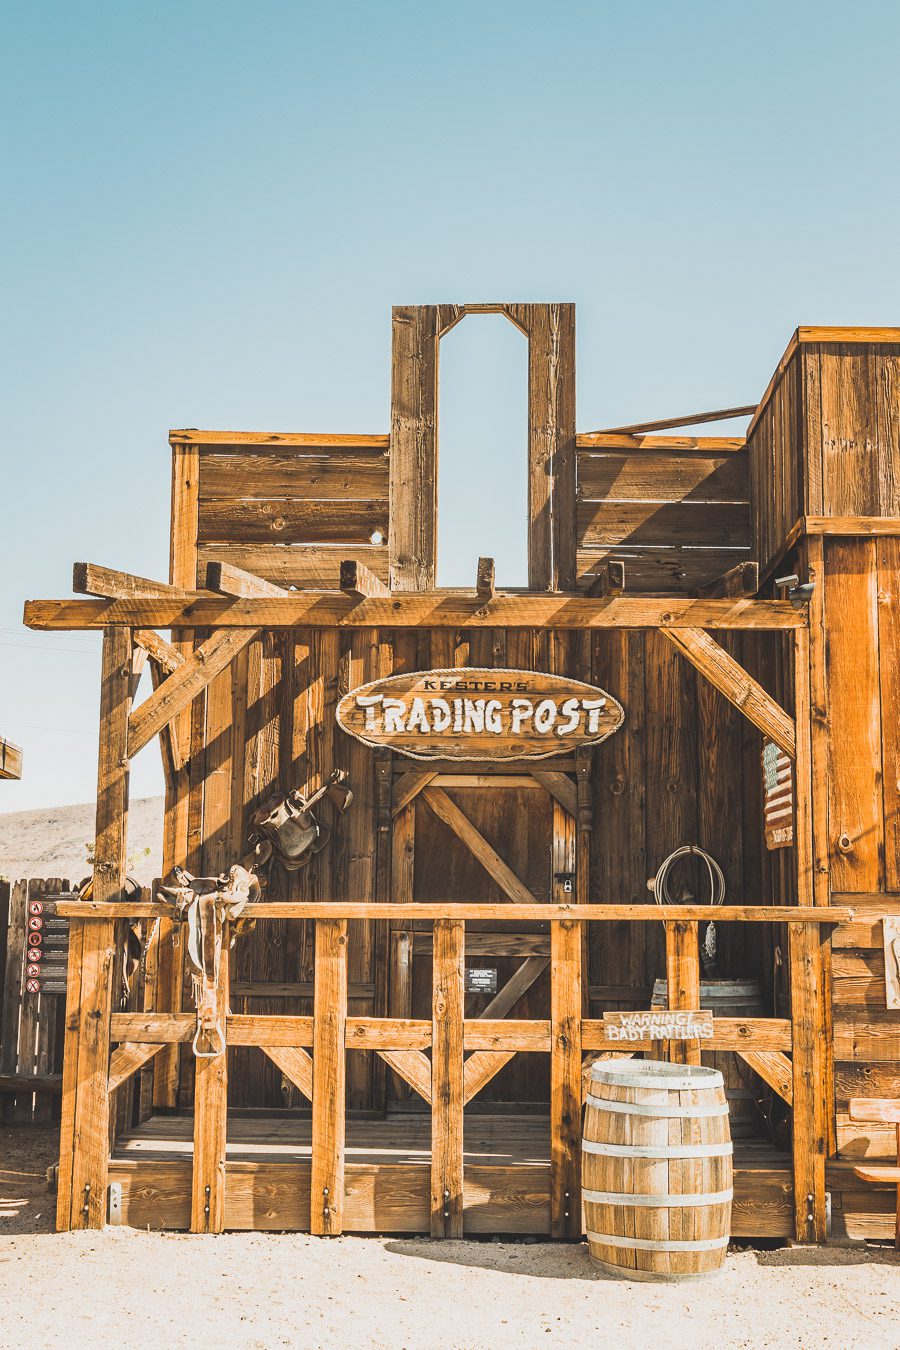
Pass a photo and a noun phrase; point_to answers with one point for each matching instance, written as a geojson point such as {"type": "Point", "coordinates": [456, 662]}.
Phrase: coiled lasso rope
{"type": "Point", "coordinates": [660, 887]}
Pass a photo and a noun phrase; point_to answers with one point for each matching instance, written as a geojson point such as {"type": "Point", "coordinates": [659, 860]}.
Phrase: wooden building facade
{"type": "Point", "coordinates": [368, 1085]}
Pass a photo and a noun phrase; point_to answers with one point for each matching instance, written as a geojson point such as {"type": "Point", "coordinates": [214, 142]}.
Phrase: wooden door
{"type": "Point", "coordinates": [483, 837]}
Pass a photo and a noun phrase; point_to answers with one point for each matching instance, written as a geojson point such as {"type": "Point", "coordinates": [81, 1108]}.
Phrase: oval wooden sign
{"type": "Point", "coordinates": [479, 714]}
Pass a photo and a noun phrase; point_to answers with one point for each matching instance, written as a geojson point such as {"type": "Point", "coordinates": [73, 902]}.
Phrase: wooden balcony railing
{"type": "Point", "coordinates": [465, 1052]}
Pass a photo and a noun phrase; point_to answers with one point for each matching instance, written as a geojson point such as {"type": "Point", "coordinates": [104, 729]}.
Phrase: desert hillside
{"type": "Point", "coordinates": [53, 842]}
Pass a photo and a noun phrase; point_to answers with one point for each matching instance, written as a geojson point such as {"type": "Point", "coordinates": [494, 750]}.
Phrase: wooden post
{"type": "Point", "coordinates": [819, 732]}
{"type": "Point", "coordinates": [329, 1078]}
{"type": "Point", "coordinates": [584, 835]}
{"type": "Point", "coordinates": [565, 1078]}
{"type": "Point", "coordinates": [169, 940]}
{"type": "Point", "coordinates": [84, 1123]}
{"type": "Point", "coordinates": [447, 1080]}
{"type": "Point", "coordinates": [683, 977]}
{"type": "Point", "coordinates": [211, 1122]}
{"type": "Point", "coordinates": [807, 976]}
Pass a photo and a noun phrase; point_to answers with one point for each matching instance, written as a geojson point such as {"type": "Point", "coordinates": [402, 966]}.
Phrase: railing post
{"type": "Point", "coordinates": [211, 1121]}
{"type": "Point", "coordinates": [807, 978]}
{"type": "Point", "coordinates": [808, 1055]}
{"type": "Point", "coordinates": [329, 1078]}
{"type": "Point", "coordinates": [447, 1079]}
{"type": "Point", "coordinates": [84, 1123]}
{"type": "Point", "coordinates": [565, 1078]}
{"type": "Point", "coordinates": [683, 977]}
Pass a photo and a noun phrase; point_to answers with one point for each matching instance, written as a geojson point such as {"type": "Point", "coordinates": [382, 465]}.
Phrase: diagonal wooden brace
{"type": "Point", "coordinates": [413, 1067]}
{"type": "Point", "coordinates": [295, 1063]}
{"type": "Point", "coordinates": [184, 684]}
{"type": "Point", "coordinates": [775, 1068]}
{"type": "Point", "coordinates": [480, 1068]}
{"type": "Point", "coordinates": [447, 811]}
{"type": "Point", "coordinates": [126, 1059]}
{"type": "Point", "coordinates": [730, 678]}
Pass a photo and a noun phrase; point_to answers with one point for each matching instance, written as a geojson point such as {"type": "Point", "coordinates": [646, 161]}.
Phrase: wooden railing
{"type": "Point", "coordinates": [465, 1052]}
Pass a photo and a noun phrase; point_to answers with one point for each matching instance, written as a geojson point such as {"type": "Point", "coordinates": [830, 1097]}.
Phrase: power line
{"type": "Point", "coordinates": [60, 651]}
{"type": "Point", "coordinates": [35, 726]}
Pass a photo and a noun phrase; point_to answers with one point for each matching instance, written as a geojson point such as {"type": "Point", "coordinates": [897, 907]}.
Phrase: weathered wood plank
{"type": "Point", "coordinates": [419, 610]}
{"type": "Point", "coordinates": [731, 680]}
{"type": "Point", "coordinates": [599, 913]}
{"type": "Point", "coordinates": [351, 472]}
{"type": "Point", "coordinates": [295, 1064]}
{"type": "Point", "coordinates": [226, 579]}
{"type": "Point", "coordinates": [358, 581]}
{"type": "Point", "coordinates": [683, 977]}
{"type": "Point", "coordinates": [775, 1068]}
{"type": "Point", "coordinates": [176, 693]}
{"type": "Point", "coordinates": [480, 1068]}
{"type": "Point", "coordinates": [91, 579]}
{"type": "Point", "coordinates": [565, 1080]}
{"type": "Point", "coordinates": [210, 1121]}
{"type": "Point", "coordinates": [10, 759]}
{"type": "Point", "coordinates": [447, 1080]}
{"type": "Point", "coordinates": [166, 656]}
{"type": "Point", "coordinates": [329, 1077]}
{"type": "Point", "coordinates": [126, 1060]}
{"type": "Point", "coordinates": [290, 521]}
{"type": "Point", "coordinates": [413, 1067]}
{"type": "Point", "coordinates": [653, 477]}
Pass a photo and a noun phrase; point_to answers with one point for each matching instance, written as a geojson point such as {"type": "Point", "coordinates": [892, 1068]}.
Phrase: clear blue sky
{"type": "Point", "coordinates": [210, 208]}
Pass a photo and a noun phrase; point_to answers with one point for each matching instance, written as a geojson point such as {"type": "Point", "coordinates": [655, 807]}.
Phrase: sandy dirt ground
{"type": "Point", "coordinates": [257, 1292]}
{"type": "Point", "coordinates": [53, 842]}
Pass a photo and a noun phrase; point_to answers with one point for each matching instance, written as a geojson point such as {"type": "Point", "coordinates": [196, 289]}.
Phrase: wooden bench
{"type": "Point", "coordinates": [872, 1110]}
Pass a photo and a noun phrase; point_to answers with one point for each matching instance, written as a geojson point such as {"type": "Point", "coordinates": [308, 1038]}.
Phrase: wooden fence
{"type": "Point", "coordinates": [31, 1023]}
{"type": "Point", "coordinates": [465, 1054]}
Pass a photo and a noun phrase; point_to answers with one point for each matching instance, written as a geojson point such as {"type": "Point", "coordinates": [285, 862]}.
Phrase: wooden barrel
{"type": "Point", "coordinates": [743, 1088]}
{"type": "Point", "coordinates": [657, 1178]}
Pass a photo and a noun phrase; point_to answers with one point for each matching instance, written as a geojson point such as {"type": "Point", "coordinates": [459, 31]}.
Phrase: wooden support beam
{"type": "Point", "coordinates": [565, 1080]}
{"type": "Point", "coordinates": [408, 787]}
{"type": "Point", "coordinates": [683, 977]}
{"type": "Point", "coordinates": [683, 420]}
{"type": "Point", "coordinates": [84, 1141]}
{"type": "Point", "coordinates": [170, 942]}
{"type": "Point", "coordinates": [174, 754]}
{"type": "Point", "coordinates": [357, 580]}
{"type": "Point", "coordinates": [210, 1121]}
{"type": "Point", "coordinates": [490, 859]}
{"type": "Point", "coordinates": [560, 611]}
{"type": "Point", "coordinates": [480, 1068]}
{"type": "Point", "coordinates": [731, 680]}
{"type": "Point", "coordinates": [503, 912]}
{"type": "Point", "coordinates": [809, 1010]}
{"type": "Point", "coordinates": [167, 657]}
{"type": "Point", "coordinates": [740, 580]}
{"type": "Point", "coordinates": [609, 581]}
{"type": "Point", "coordinates": [84, 1144]}
{"type": "Point", "coordinates": [447, 1080]}
{"type": "Point", "coordinates": [560, 787]}
{"type": "Point", "coordinates": [112, 769]}
{"type": "Point", "coordinates": [227, 579]}
{"type": "Point", "coordinates": [182, 687]}
{"type": "Point", "coordinates": [10, 760]}
{"type": "Point", "coordinates": [329, 1078]}
{"type": "Point", "coordinates": [808, 1060]}
{"type": "Point", "coordinates": [516, 987]}
{"type": "Point", "coordinates": [484, 579]}
{"type": "Point", "coordinates": [89, 579]}
{"type": "Point", "coordinates": [295, 1064]}
{"type": "Point", "coordinates": [774, 1068]}
{"type": "Point", "coordinates": [126, 1060]}
{"type": "Point", "coordinates": [413, 1067]}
